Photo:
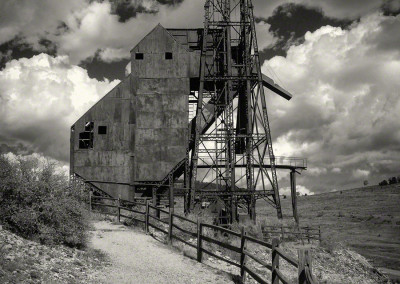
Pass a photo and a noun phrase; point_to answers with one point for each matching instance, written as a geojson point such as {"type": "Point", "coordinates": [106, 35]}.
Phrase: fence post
{"type": "Point", "coordinates": [119, 210]}
{"type": "Point", "coordinates": [308, 233]}
{"type": "Point", "coordinates": [242, 255]}
{"type": "Point", "coordinates": [146, 218]}
{"type": "Point", "coordinates": [171, 219]}
{"type": "Point", "coordinates": [319, 234]}
{"type": "Point", "coordinates": [275, 261]}
{"type": "Point", "coordinates": [304, 263]}
{"type": "Point", "coordinates": [199, 233]}
{"type": "Point", "coordinates": [90, 201]}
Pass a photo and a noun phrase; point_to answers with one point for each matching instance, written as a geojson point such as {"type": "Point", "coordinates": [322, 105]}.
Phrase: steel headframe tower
{"type": "Point", "coordinates": [232, 159]}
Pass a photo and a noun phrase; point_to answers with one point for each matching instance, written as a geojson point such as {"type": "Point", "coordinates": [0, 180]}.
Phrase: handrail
{"type": "Point", "coordinates": [303, 264]}
{"type": "Point", "coordinates": [222, 229]}
{"type": "Point", "coordinates": [258, 242]}
{"type": "Point", "coordinates": [289, 259]}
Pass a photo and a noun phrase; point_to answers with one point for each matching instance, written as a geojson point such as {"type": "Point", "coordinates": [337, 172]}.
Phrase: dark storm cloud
{"type": "Point", "coordinates": [290, 22]}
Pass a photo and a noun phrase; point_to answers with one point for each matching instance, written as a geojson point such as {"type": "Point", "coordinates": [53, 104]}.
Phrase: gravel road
{"type": "Point", "coordinates": [138, 258]}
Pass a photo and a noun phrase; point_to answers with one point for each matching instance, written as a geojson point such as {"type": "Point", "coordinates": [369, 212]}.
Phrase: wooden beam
{"type": "Point", "coordinates": [270, 84]}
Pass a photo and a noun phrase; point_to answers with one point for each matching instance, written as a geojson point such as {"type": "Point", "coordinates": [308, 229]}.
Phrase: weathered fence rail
{"type": "Point", "coordinates": [152, 219]}
{"type": "Point", "coordinates": [285, 232]}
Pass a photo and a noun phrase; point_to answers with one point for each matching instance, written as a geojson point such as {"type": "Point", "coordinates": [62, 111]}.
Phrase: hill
{"type": "Point", "coordinates": [364, 219]}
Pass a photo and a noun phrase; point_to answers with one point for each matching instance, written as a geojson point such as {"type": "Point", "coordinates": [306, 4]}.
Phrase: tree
{"type": "Point", "coordinates": [392, 180]}
{"type": "Point", "coordinates": [365, 182]}
{"type": "Point", "coordinates": [384, 182]}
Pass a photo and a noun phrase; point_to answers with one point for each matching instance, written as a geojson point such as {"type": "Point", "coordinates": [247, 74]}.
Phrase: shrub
{"type": "Point", "coordinates": [37, 203]}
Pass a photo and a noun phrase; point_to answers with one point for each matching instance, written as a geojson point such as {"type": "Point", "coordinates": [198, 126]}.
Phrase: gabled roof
{"type": "Point", "coordinates": [168, 33]}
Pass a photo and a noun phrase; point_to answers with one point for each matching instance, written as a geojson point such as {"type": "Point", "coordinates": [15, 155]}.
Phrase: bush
{"type": "Point", "coordinates": [37, 203]}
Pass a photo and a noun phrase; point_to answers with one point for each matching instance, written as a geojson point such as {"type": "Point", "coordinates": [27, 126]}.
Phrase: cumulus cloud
{"type": "Point", "coordinates": [302, 190]}
{"type": "Point", "coordinates": [40, 99]}
{"type": "Point", "coordinates": [345, 111]}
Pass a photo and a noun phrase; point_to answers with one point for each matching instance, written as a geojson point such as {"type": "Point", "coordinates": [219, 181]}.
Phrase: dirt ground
{"type": "Point", "coordinates": [138, 258]}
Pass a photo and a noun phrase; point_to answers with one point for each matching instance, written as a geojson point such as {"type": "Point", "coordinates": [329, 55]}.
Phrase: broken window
{"type": "Point", "coordinates": [139, 56]}
{"type": "Point", "coordinates": [86, 137]}
{"type": "Point", "coordinates": [168, 55]}
{"type": "Point", "coordinates": [102, 129]}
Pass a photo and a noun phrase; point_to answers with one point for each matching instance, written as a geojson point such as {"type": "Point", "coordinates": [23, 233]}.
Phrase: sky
{"type": "Point", "coordinates": [339, 58]}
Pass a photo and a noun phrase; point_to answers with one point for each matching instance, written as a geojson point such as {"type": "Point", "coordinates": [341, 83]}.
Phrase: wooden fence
{"type": "Point", "coordinates": [151, 217]}
{"type": "Point", "coordinates": [286, 233]}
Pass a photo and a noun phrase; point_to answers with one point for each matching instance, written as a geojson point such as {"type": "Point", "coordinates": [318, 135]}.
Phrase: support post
{"type": "Point", "coordinates": [275, 261]}
{"type": "Point", "coordinates": [199, 241]}
{"type": "Point", "coordinates": [171, 193]}
{"type": "Point", "coordinates": [294, 194]}
{"type": "Point", "coordinates": [90, 201]}
{"type": "Point", "coordinates": [319, 234]}
{"type": "Point", "coordinates": [171, 220]}
{"type": "Point", "coordinates": [146, 219]}
{"type": "Point", "coordinates": [242, 255]}
{"type": "Point", "coordinates": [305, 266]}
{"type": "Point", "coordinates": [119, 209]}
{"type": "Point", "coordinates": [283, 232]}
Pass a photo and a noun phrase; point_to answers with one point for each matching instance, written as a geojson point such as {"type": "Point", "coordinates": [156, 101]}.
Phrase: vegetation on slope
{"type": "Point", "coordinates": [37, 203]}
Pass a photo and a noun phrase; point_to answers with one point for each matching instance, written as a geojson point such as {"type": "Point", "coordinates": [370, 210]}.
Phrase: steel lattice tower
{"type": "Point", "coordinates": [230, 147]}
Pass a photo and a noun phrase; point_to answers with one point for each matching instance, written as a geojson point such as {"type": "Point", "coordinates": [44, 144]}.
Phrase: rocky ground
{"type": "Point", "coordinates": [24, 261]}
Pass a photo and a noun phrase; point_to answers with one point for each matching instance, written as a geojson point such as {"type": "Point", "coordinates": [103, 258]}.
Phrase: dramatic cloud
{"type": "Point", "coordinates": [345, 112]}
{"type": "Point", "coordinates": [340, 9]}
{"type": "Point", "coordinates": [40, 98]}
{"type": "Point", "coordinates": [32, 20]}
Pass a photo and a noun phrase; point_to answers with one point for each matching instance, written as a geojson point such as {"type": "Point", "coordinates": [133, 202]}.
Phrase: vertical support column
{"type": "Point", "coordinates": [199, 241]}
{"type": "Point", "coordinates": [154, 196]}
{"type": "Point", "coordinates": [171, 193]}
{"type": "Point", "coordinates": [119, 209]}
{"type": "Point", "coordinates": [90, 201]}
{"type": "Point", "coordinates": [146, 216]}
{"type": "Point", "coordinates": [171, 220]}
{"type": "Point", "coordinates": [275, 261]}
{"type": "Point", "coordinates": [294, 194]}
{"type": "Point", "coordinates": [243, 255]}
{"type": "Point", "coordinates": [305, 267]}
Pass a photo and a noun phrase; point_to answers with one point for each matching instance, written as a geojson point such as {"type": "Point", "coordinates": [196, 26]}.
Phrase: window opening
{"type": "Point", "coordinates": [102, 129]}
{"type": "Point", "coordinates": [139, 56]}
{"type": "Point", "coordinates": [86, 137]}
{"type": "Point", "coordinates": [168, 55]}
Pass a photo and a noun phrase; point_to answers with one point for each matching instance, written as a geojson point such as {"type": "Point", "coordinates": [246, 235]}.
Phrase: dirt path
{"type": "Point", "coordinates": [138, 258]}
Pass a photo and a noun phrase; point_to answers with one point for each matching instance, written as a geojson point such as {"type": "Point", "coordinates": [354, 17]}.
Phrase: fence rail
{"type": "Point", "coordinates": [303, 263]}
{"type": "Point", "coordinates": [285, 232]}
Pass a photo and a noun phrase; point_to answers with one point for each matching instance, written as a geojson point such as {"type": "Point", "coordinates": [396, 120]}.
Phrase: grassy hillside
{"type": "Point", "coordinates": [365, 219]}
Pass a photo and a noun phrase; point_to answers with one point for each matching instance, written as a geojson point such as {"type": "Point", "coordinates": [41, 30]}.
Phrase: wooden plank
{"type": "Point", "coordinates": [159, 209]}
{"type": "Point", "coordinates": [220, 257]}
{"type": "Point", "coordinates": [159, 220]}
{"type": "Point", "coordinates": [281, 277]}
{"type": "Point", "coordinates": [185, 231]}
{"type": "Point", "coordinates": [185, 219]}
{"type": "Point", "coordinates": [221, 244]}
{"type": "Point", "coordinates": [263, 263]}
{"type": "Point", "coordinates": [259, 242]}
{"type": "Point", "coordinates": [133, 210]}
{"type": "Point", "coordinates": [184, 241]}
{"type": "Point", "coordinates": [132, 218]}
{"type": "Point", "coordinates": [222, 229]}
{"type": "Point", "coordinates": [255, 275]}
{"type": "Point", "coordinates": [103, 197]}
{"type": "Point", "coordinates": [105, 205]}
{"type": "Point", "coordinates": [286, 257]}
{"type": "Point", "coordinates": [155, 227]}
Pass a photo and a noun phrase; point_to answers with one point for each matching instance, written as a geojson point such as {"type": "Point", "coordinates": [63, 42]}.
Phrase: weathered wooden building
{"type": "Point", "coordinates": [138, 132]}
